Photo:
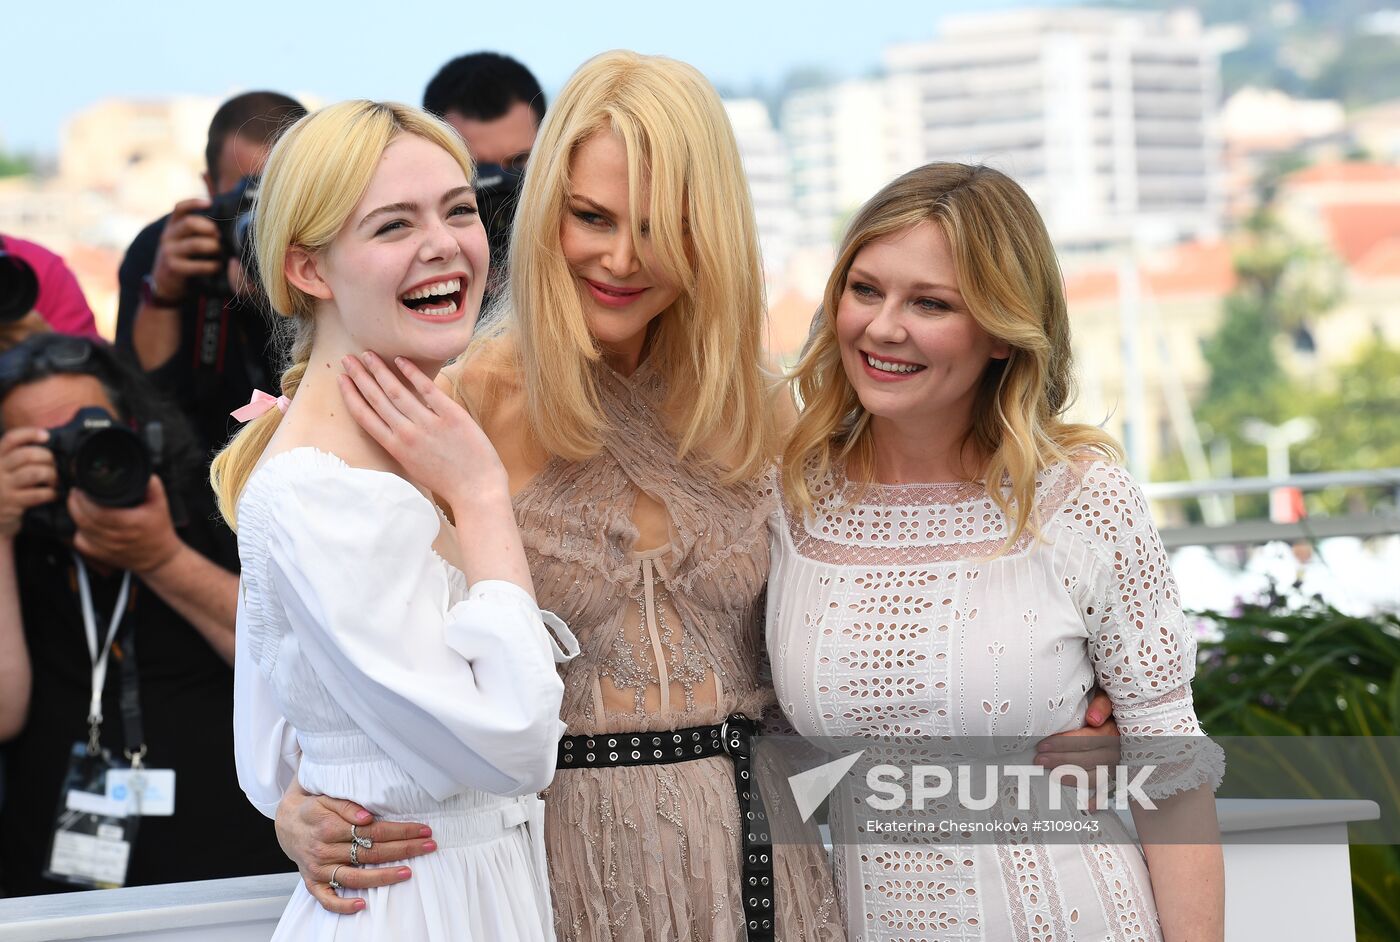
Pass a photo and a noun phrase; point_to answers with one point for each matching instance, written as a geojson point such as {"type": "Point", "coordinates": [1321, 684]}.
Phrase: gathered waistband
{"type": "Point", "coordinates": [338, 764]}
{"type": "Point", "coordinates": [475, 826]}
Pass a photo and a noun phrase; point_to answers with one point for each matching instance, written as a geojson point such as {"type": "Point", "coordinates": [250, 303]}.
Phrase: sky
{"type": "Point", "coordinates": [62, 57]}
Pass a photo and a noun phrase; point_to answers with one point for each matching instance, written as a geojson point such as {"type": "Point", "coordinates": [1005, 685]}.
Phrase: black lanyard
{"type": "Point", "coordinates": [133, 732]}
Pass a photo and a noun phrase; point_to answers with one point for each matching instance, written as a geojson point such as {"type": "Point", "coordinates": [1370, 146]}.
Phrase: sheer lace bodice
{"type": "Point", "coordinates": [659, 567]}
{"type": "Point", "coordinates": [670, 632]}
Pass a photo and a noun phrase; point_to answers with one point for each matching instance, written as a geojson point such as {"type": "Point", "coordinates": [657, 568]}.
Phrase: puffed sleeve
{"type": "Point", "coordinates": [1143, 651]}
{"type": "Point", "coordinates": [461, 695]}
{"type": "Point", "coordinates": [265, 750]}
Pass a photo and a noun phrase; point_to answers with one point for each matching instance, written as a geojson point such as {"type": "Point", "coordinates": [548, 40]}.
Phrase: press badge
{"type": "Point", "coordinates": [143, 791]}
{"type": "Point", "coordinates": [92, 833]}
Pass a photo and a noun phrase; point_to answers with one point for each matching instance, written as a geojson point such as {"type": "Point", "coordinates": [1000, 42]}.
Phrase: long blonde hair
{"type": "Point", "coordinates": [708, 344]}
{"type": "Point", "coordinates": [315, 176]}
{"type": "Point", "coordinates": [1010, 279]}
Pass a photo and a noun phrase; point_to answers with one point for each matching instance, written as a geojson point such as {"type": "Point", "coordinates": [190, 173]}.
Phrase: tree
{"type": "Point", "coordinates": [1366, 71]}
{"type": "Point", "coordinates": [1284, 288]}
{"type": "Point", "coordinates": [1359, 425]}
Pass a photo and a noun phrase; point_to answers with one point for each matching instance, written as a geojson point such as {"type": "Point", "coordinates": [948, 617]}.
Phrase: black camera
{"type": "Point", "coordinates": [101, 457]}
{"type": "Point", "coordinates": [232, 212]}
{"type": "Point", "coordinates": [19, 287]}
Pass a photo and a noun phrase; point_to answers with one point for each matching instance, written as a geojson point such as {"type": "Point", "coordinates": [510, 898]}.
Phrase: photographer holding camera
{"type": "Point", "coordinates": [182, 312]}
{"type": "Point", "coordinates": [94, 565]}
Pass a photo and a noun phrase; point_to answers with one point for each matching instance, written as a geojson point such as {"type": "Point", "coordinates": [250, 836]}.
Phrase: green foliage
{"type": "Point", "coordinates": [1361, 417]}
{"type": "Point", "coordinates": [1285, 288]}
{"type": "Point", "coordinates": [1367, 72]}
{"type": "Point", "coordinates": [15, 165]}
{"type": "Point", "coordinates": [1312, 672]}
{"type": "Point", "coordinates": [1319, 53]}
{"type": "Point", "coordinates": [1293, 283]}
{"type": "Point", "coordinates": [1314, 669]}
{"type": "Point", "coordinates": [1359, 420]}
{"type": "Point", "coordinates": [1244, 369]}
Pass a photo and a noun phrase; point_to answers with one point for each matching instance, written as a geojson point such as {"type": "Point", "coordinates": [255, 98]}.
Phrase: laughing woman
{"type": "Point", "coordinates": [404, 660]}
{"type": "Point", "coordinates": [954, 559]}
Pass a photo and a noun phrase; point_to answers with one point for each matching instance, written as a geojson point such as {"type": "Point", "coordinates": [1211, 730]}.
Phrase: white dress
{"type": "Point", "coordinates": [368, 669]}
{"type": "Point", "coordinates": [887, 618]}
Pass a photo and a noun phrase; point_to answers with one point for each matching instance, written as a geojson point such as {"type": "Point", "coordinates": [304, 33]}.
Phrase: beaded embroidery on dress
{"type": "Point", "coordinates": [670, 638]}
{"type": "Point", "coordinates": [893, 615]}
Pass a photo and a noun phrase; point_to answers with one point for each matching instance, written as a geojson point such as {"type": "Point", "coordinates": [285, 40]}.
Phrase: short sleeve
{"type": "Point", "coordinates": [460, 694]}
{"type": "Point", "coordinates": [1143, 651]}
{"type": "Point", "coordinates": [61, 302]}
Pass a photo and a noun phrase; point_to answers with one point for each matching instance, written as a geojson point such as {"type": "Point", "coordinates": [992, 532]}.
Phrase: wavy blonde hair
{"type": "Point", "coordinates": [1010, 279]}
{"type": "Point", "coordinates": [315, 176]}
{"type": "Point", "coordinates": [708, 344]}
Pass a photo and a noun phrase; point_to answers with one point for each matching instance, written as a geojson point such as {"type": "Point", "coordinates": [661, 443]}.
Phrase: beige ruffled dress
{"type": "Point", "coordinates": [659, 568]}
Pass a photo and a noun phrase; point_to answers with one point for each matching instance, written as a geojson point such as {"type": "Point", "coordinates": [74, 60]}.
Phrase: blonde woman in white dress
{"type": "Point", "coordinates": [910, 597]}
{"type": "Point", "coordinates": [401, 661]}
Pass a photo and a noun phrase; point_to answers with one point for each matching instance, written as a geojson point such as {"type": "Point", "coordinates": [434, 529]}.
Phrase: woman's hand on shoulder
{"type": "Point", "coordinates": [314, 832]}
{"type": "Point", "coordinates": [431, 435]}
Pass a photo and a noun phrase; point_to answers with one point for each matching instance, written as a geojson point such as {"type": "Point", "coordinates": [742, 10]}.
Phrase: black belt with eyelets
{"type": "Point", "coordinates": [733, 737]}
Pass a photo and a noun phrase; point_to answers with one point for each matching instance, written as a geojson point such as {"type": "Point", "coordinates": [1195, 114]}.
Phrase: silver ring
{"type": "Point", "coordinates": [354, 855]}
{"type": "Point", "coordinates": [364, 842]}
{"type": "Point", "coordinates": [333, 882]}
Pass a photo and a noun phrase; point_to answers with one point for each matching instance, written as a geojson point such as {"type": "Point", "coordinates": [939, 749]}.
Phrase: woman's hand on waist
{"type": "Point", "coordinates": [314, 831]}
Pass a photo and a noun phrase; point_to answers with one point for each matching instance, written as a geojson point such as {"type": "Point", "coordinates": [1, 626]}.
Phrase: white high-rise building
{"type": "Point", "coordinates": [845, 144]}
{"type": "Point", "coordinates": [770, 181]}
{"type": "Point", "coordinates": [1106, 117]}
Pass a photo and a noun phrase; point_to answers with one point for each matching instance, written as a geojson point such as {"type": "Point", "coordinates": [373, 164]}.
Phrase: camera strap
{"type": "Point", "coordinates": [134, 735]}
{"type": "Point", "coordinates": [211, 333]}
{"type": "Point", "coordinates": [99, 655]}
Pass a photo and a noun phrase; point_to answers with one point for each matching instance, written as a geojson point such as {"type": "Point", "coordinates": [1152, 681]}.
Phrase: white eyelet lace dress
{"type": "Point", "coordinates": [889, 618]}
{"type": "Point", "coordinates": [365, 657]}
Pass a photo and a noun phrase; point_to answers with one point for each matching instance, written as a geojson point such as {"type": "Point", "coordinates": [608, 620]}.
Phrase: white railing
{"type": "Point", "coordinates": [1291, 881]}
{"type": "Point", "coordinates": [1253, 532]}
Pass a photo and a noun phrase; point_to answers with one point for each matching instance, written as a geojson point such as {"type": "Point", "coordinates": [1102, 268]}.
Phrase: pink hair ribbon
{"type": "Point", "coordinates": [258, 404]}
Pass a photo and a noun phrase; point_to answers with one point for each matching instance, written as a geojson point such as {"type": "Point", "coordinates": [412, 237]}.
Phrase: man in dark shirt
{"type": "Point", "coordinates": [177, 627]}
{"type": "Point", "coordinates": [207, 351]}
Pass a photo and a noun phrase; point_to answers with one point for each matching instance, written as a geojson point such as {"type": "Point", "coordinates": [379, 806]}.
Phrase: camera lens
{"type": "Point", "coordinates": [112, 467]}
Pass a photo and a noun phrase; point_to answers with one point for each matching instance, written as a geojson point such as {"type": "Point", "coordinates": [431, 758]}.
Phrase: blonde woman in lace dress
{"type": "Point", "coordinates": [623, 389]}
{"type": "Point", "coordinates": [908, 598]}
